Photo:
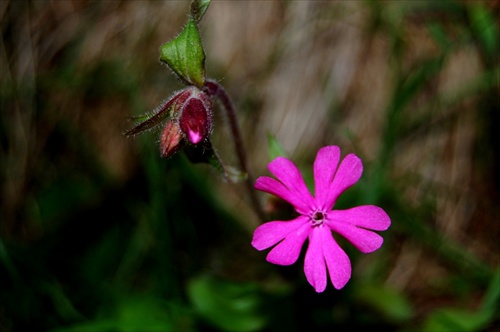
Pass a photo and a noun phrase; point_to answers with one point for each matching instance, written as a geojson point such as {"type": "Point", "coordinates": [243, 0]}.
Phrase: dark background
{"type": "Point", "coordinates": [98, 232]}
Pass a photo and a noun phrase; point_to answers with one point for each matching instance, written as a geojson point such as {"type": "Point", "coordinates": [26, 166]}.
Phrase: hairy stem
{"type": "Point", "coordinates": [215, 89]}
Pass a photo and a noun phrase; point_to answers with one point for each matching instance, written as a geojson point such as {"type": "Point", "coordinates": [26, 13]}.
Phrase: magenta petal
{"type": "Point", "coordinates": [325, 165]}
{"type": "Point", "coordinates": [270, 233]}
{"type": "Point", "coordinates": [364, 240]}
{"type": "Point", "coordinates": [366, 216]}
{"type": "Point", "coordinates": [337, 261]}
{"type": "Point", "coordinates": [274, 187]}
{"type": "Point", "coordinates": [288, 250]}
{"type": "Point", "coordinates": [348, 173]}
{"type": "Point", "coordinates": [314, 262]}
{"type": "Point", "coordinates": [288, 174]}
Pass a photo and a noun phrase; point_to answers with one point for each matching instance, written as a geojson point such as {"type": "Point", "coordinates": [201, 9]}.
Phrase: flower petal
{"type": "Point", "coordinates": [349, 172]}
{"type": "Point", "coordinates": [288, 174]}
{"type": "Point", "coordinates": [337, 261]}
{"type": "Point", "coordinates": [314, 262]}
{"type": "Point", "coordinates": [366, 216]}
{"type": "Point", "coordinates": [274, 187]}
{"type": "Point", "coordinates": [325, 165]}
{"type": "Point", "coordinates": [270, 233]}
{"type": "Point", "coordinates": [288, 250]}
{"type": "Point", "coordinates": [364, 240]}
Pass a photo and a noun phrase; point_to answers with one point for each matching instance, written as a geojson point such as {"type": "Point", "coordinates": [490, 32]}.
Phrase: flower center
{"type": "Point", "coordinates": [317, 218]}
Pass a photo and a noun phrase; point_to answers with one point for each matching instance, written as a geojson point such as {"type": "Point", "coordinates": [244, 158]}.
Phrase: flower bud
{"type": "Point", "coordinates": [171, 139]}
{"type": "Point", "coordinates": [196, 118]}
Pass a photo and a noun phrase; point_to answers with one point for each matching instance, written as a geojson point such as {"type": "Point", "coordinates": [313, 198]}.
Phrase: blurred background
{"type": "Point", "coordinates": [99, 233]}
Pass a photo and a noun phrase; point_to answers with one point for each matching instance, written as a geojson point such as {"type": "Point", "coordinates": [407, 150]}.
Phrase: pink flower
{"type": "Point", "coordinates": [317, 220]}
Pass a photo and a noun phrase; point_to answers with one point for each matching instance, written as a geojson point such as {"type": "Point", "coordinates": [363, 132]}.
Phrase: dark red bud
{"type": "Point", "coordinates": [171, 139]}
{"type": "Point", "coordinates": [196, 117]}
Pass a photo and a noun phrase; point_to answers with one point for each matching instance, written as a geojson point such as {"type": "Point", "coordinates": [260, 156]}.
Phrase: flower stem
{"type": "Point", "coordinates": [213, 88]}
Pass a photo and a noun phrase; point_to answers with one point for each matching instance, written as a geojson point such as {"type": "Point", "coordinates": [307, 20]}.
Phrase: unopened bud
{"type": "Point", "coordinates": [171, 139]}
{"type": "Point", "coordinates": [196, 117]}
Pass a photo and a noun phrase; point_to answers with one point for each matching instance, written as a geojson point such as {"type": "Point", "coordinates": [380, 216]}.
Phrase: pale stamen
{"type": "Point", "coordinates": [318, 218]}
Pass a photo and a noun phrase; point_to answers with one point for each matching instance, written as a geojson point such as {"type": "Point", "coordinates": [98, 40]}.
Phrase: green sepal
{"type": "Point", "coordinates": [148, 121]}
{"type": "Point", "coordinates": [185, 56]}
{"type": "Point", "coordinates": [198, 9]}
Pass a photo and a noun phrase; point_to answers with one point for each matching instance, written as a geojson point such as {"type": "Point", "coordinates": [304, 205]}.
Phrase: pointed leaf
{"type": "Point", "coordinates": [274, 147]}
{"type": "Point", "coordinates": [185, 56]}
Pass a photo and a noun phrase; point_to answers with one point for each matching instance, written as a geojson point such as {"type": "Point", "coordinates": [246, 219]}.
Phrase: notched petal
{"type": "Point", "coordinates": [347, 174]}
{"type": "Point", "coordinates": [325, 165]}
{"type": "Point", "coordinates": [274, 187]}
{"type": "Point", "coordinates": [287, 251]}
{"type": "Point", "coordinates": [365, 216]}
{"type": "Point", "coordinates": [364, 240]}
{"type": "Point", "coordinates": [270, 233]}
{"type": "Point", "coordinates": [337, 261]}
{"type": "Point", "coordinates": [288, 174]}
{"type": "Point", "coordinates": [314, 262]}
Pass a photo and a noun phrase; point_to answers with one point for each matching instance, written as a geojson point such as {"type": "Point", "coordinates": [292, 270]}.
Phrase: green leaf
{"type": "Point", "coordinates": [142, 313]}
{"type": "Point", "coordinates": [185, 56]}
{"type": "Point", "coordinates": [198, 9]}
{"type": "Point", "coordinates": [228, 306]}
{"type": "Point", "coordinates": [274, 147]}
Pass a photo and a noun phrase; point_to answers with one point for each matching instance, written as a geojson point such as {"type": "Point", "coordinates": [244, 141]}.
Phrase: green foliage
{"type": "Point", "coordinates": [456, 320]}
{"type": "Point", "coordinates": [392, 304]}
{"type": "Point", "coordinates": [227, 305]}
{"type": "Point", "coordinates": [62, 198]}
{"type": "Point", "coordinates": [453, 319]}
{"type": "Point", "coordinates": [485, 28]}
{"type": "Point", "coordinates": [134, 314]}
{"type": "Point", "coordinates": [185, 55]}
